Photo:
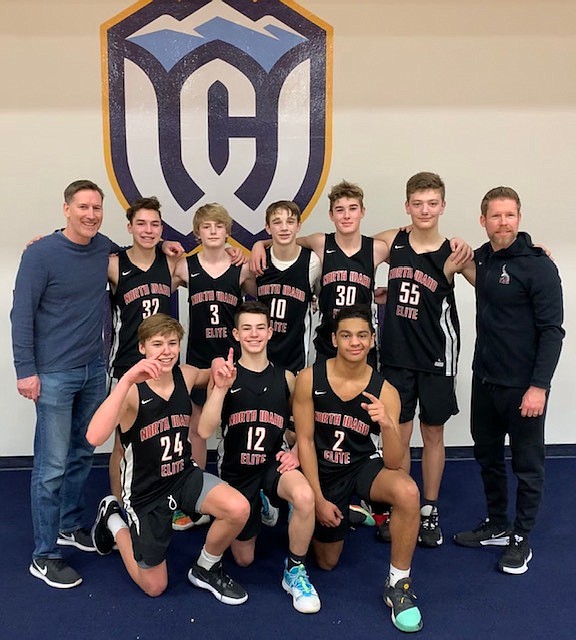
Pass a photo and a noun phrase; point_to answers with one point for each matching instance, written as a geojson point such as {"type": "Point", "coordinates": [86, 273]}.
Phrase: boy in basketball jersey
{"type": "Point", "coordinates": [338, 403]}
{"type": "Point", "coordinates": [254, 412]}
{"type": "Point", "coordinates": [140, 280]}
{"type": "Point", "coordinates": [152, 405]}
{"type": "Point", "coordinates": [349, 261]}
{"type": "Point", "coordinates": [421, 335]}
{"type": "Point", "coordinates": [287, 285]}
{"type": "Point", "coordinates": [215, 290]}
{"type": "Point", "coordinates": [348, 258]}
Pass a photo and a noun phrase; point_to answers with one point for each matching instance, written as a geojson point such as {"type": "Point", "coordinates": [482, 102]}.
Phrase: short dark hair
{"type": "Point", "coordinates": [423, 181]}
{"type": "Point", "coordinates": [143, 203]}
{"type": "Point", "coordinates": [252, 306]}
{"type": "Point", "coordinates": [499, 193]}
{"type": "Point", "coordinates": [159, 324]}
{"type": "Point", "coordinates": [292, 208]}
{"type": "Point", "coordinates": [80, 185]}
{"type": "Point", "coordinates": [361, 311]}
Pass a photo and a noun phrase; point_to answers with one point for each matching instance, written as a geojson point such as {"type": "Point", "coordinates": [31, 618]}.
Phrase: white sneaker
{"type": "Point", "coordinates": [297, 583]}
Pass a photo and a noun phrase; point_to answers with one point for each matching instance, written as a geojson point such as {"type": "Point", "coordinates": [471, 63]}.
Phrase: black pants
{"type": "Point", "coordinates": [495, 413]}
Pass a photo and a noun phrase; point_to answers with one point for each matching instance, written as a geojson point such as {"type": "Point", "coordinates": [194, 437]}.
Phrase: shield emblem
{"type": "Point", "coordinates": [213, 101]}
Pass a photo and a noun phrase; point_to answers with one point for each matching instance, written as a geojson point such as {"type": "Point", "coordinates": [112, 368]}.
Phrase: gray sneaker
{"type": "Point", "coordinates": [81, 539]}
{"type": "Point", "coordinates": [55, 573]}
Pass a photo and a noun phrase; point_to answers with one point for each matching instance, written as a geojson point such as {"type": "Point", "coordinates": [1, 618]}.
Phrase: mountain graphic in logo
{"type": "Point", "coordinates": [170, 40]}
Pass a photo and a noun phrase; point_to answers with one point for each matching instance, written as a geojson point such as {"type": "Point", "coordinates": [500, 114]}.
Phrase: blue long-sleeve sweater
{"type": "Point", "coordinates": [57, 314]}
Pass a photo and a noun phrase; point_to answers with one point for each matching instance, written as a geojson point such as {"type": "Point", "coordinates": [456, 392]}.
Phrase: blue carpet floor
{"type": "Point", "coordinates": [461, 594]}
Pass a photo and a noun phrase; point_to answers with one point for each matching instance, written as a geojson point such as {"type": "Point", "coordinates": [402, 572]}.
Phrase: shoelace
{"type": "Point", "coordinates": [407, 593]}
{"type": "Point", "coordinates": [303, 582]}
{"type": "Point", "coordinates": [517, 541]}
{"type": "Point", "coordinates": [223, 578]}
{"type": "Point", "coordinates": [430, 522]}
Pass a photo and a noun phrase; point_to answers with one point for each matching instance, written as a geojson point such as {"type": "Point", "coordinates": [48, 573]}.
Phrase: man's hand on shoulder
{"type": "Point", "coordinates": [462, 252]}
{"type": "Point", "coordinates": [544, 248]}
{"type": "Point", "coordinates": [29, 387]}
{"type": "Point", "coordinates": [32, 241]}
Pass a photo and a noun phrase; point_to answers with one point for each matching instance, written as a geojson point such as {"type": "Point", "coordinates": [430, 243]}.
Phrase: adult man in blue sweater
{"type": "Point", "coordinates": [519, 315]}
{"type": "Point", "coordinates": [57, 322]}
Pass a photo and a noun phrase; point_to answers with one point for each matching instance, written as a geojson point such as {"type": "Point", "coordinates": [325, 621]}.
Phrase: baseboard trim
{"type": "Point", "coordinates": [452, 453]}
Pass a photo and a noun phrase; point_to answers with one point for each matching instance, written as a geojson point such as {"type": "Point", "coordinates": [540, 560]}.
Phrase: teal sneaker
{"type": "Point", "coordinates": [358, 515]}
{"type": "Point", "coordinates": [401, 599]}
{"type": "Point", "coordinates": [297, 583]}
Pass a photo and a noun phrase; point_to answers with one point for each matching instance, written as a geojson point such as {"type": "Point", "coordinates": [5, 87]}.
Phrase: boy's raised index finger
{"type": "Point", "coordinates": [370, 397]}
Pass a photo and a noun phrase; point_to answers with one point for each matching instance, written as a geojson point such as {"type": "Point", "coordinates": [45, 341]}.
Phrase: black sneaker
{"type": "Point", "coordinates": [430, 534]}
{"type": "Point", "coordinates": [222, 586]}
{"type": "Point", "coordinates": [383, 526]}
{"type": "Point", "coordinates": [80, 539]}
{"type": "Point", "coordinates": [402, 600]}
{"type": "Point", "coordinates": [359, 516]}
{"type": "Point", "coordinates": [102, 537]}
{"type": "Point", "coordinates": [55, 573]}
{"type": "Point", "coordinates": [486, 534]}
{"type": "Point", "coordinates": [516, 557]}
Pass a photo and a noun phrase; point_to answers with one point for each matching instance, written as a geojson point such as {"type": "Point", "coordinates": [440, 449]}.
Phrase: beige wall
{"type": "Point", "coordinates": [482, 93]}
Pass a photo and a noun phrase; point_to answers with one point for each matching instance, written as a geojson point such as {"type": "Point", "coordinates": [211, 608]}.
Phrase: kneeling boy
{"type": "Point", "coordinates": [151, 403]}
{"type": "Point", "coordinates": [254, 412]}
{"type": "Point", "coordinates": [338, 403]}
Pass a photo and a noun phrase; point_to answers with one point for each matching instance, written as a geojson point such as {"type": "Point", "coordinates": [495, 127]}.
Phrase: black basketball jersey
{"type": "Point", "coordinates": [342, 429]}
{"type": "Point", "coordinates": [254, 417]}
{"type": "Point", "coordinates": [345, 281]}
{"type": "Point", "coordinates": [421, 329]}
{"type": "Point", "coordinates": [288, 295]}
{"type": "Point", "coordinates": [212, 304]}
{"type": "Point", "coordinates": [156, 447]}
{"type": "Point", "coordinates": [139, 294]}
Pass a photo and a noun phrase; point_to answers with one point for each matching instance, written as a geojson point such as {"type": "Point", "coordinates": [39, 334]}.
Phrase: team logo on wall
{"type": "Point", "coordinates": [213, 101]}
